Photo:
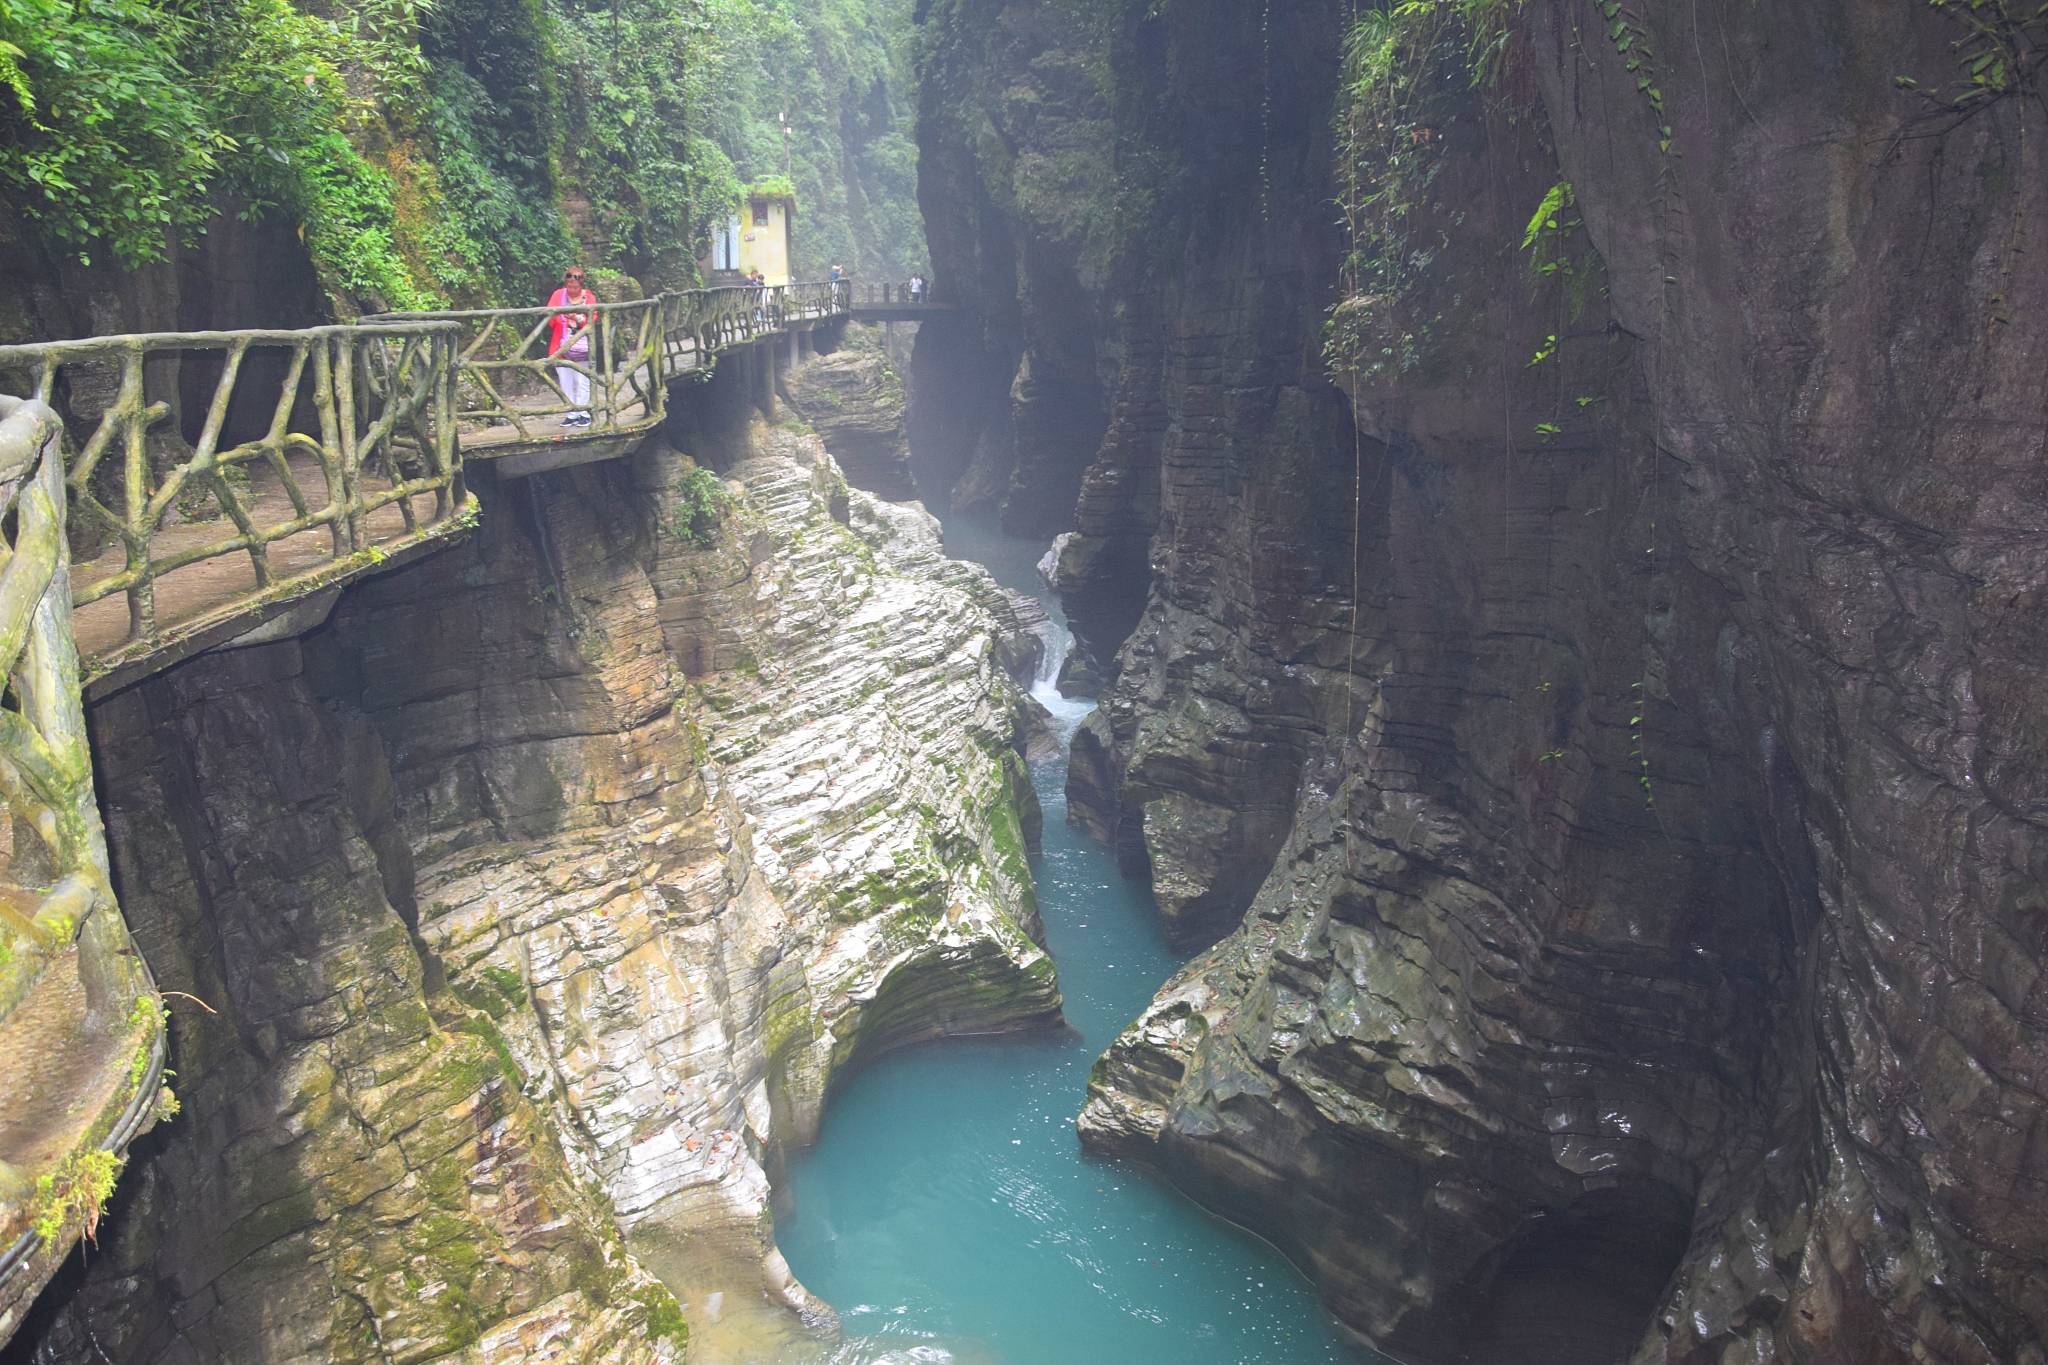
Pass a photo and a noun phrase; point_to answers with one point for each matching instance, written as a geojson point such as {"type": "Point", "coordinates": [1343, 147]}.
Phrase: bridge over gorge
{"type": "Point", "coordinates": [221, 487]}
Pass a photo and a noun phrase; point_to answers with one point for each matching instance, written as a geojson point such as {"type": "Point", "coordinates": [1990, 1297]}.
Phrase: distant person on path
{"type": "Point", "coordinates": [569, 339]}
{"type": "Point", "coordinates": [837, 274]}
{"type": "Point", "coordinates": [917, 289]}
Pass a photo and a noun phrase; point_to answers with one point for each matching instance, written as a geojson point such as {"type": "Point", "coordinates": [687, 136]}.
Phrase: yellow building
{"type": "Point", "coordinates": [758, 237]}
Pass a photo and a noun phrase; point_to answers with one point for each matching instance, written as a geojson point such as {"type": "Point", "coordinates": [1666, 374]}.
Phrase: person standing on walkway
{"type": "Point", "coordinates": [569, 340]}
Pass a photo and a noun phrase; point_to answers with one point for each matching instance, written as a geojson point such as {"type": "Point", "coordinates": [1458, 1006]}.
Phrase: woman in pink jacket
{"type": "Point", "coordinates": [569, 339]}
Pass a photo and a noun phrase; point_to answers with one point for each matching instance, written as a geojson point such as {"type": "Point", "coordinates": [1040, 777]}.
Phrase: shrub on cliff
{"type": "Point", "coordinates": [698, 507]}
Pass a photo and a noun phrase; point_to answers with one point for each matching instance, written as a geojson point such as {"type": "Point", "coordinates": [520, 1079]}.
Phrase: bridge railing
{"type": "Point", "coordinates": [510, 384]}
{"type": "Point", "coordinates": [510, 387]}
{"type": "Point", "coordinates": [74, 995]}
{"type": "Point", "coordinates": [55, 865]}
{"type": "Point", "coordinates": [322, 428]}
{"type": "Point", "coordinates": [868, 295]}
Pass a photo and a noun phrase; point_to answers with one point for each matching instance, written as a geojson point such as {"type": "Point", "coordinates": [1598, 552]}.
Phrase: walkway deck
{"type": "Point", "coordinates": [206, 602]}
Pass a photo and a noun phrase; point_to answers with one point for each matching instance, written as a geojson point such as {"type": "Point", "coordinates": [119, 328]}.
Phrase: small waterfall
{"type": "Point", "coordinates": [1067, 712]}
{"type": "Point", "coordinates": [946, 1209]}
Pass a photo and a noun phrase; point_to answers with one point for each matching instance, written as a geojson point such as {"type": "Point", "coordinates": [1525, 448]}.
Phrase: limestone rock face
{"type": "Point", "coordinates": [1624, 838]}
{"type": "Point", "coordinates": [543, 893]}
{"type": "Point", "coordinates": [356, 1174]}
{"type": "Point", "coordinates": [854, 400]}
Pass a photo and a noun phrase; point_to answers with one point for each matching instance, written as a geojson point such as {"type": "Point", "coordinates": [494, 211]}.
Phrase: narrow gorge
{"type": "Point", "coordinates": [1399, 714]}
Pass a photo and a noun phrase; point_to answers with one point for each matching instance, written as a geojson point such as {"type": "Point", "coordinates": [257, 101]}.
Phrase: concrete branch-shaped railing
{"type": "Point", "coordinates": [338, 425]}
{"type": "Point", "coordinates": [81, 1029]}
{"type": "Point", "coordinates": [509, 386]}
{"type": "Point", "coordinates": [510, 389]}
{"type": "Point", "coordinates": [893, 296]}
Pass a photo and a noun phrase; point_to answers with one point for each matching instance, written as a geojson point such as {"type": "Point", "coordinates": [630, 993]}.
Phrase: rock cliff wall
{"type": "Point", "coordinates": [1613, 779]}
{"type": "Point", "coordinates": [854, 399]}
{"type": "Point", "coordinates": [1013, 158]}
{"type": "Point", "coordinates": [541, 894]}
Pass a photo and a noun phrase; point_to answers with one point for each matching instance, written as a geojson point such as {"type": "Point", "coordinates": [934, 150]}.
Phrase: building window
{"type": "Point", "coordinates": [760, 213]}
{"type": "Point", "coordinates": [725, 246]}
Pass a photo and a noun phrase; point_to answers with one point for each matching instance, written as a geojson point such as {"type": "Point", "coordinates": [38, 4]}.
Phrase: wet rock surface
{"type": "Point", "coordinates": [1622, 840]}
{"type": "Point", "coordinates": [542, 894]}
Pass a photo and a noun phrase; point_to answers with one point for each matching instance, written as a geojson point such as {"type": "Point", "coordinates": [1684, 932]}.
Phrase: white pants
{"type": "Point", "coordinates": [576, 388]}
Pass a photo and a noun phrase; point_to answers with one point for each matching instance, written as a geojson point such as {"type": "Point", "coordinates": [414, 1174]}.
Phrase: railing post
{"type": "Point", "coordinates": [74, 924]}
{"type": "Point", "coordinates": [129, 411]}
{"type": "Point", "coordinates": [447, 440]}
{"type": "Point", "coordinates": [601, 365]}
{"type": "Point", "coordinates": [349, 457]}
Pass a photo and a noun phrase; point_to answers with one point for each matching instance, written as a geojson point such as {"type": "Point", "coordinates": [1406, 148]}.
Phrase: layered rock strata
{"type": "Point", "coordinates": [854, 399]}
{"type": "Point", "coordinates": [541, 895]}
{"type": "Point", "coordinates": [1613, 779]}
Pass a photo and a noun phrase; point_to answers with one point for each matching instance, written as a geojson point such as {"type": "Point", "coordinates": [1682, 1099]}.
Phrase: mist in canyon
{"type": "Point", "coordinates": [1411, 725]}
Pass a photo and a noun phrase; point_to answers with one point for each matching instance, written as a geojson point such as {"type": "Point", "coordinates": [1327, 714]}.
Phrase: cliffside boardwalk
{"type": "Point", "coordinates": [304, 460]}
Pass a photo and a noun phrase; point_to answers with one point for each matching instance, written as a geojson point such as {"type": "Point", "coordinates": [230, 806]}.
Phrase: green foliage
{"type": "Point", "coordinates": [149, 1017]}
{"type": "Point", "coordinates": [304, 99]}
{"type": "Point", "coordinates": [838, 72]}
{"type": "Point", "coordinates": [424, 150]}
{"type": "Point", "coordinates": [1406, 62]}
{"type": "Point", "coordinates": [133, 120]}
{"type": "Point", "coordinates": [2003, 46]}
{"type": "Point", "coordinates": [778, 187]}
{"type": "Point", "coordinates": [75, 1192]}
{"type": "Point", "coordinates": [697, 508]}
{"type": "Point", "coordinates": [1638, 749]}
{"type": "Point", "coordinates": [496, 189]}
{"type": "Point", "coordinates": [492, 119]}
{"type": "Point", "coordinates": [635, 81]}
{"type": "Point", "coordinates": [1073, 180]}
{"type": "Point", "coordinates": [1553, 229]}
{"type": "Point", "coordinates": [1630, 37]}
{"type": "Point", "coordinates": [102, 133]}
{"type": "Point", "coordinates": [664, 1316]}
{"type": "Point", "coordinates": [1550, 210]}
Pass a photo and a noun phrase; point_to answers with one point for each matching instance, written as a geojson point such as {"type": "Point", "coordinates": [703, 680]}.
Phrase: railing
{"type": "Point", "coordinates": [341, 430]}
{"type": "Point", "coordinates": [512, 390]}
{"type": "Point", "coordinates": [508, 380]}
{"type": "Point", "coordinates": [69, 972]}
{"type": "Point", "coordinates": [45, 764]}
{"type": "Point", "coordinates": [891, 296]}
{"type": "Point", "coordinates": [363, 414]}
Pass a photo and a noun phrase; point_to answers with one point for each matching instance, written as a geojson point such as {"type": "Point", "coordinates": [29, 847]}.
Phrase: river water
{"type": "Point", "coordinates": [948, 1211]}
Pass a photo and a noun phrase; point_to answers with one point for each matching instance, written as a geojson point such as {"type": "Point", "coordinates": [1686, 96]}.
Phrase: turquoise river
{"type": "Point", "coordinates": [948, 1211]}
